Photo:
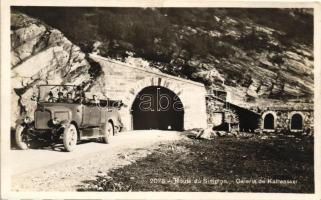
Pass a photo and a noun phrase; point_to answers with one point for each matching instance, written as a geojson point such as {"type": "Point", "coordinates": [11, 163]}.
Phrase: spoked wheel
{"type": "Point", "coordinates": [70, 137]}
{"type": "Point", "coordinates": [108, 130]}
{"type": "Point", "coordinates": [22, 139]}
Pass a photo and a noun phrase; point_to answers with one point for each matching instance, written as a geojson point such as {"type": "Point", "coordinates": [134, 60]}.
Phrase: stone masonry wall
{"type": "Point", "coordinates": [124, 82]}
{"type": "Point", "coordinates": [283, 120]}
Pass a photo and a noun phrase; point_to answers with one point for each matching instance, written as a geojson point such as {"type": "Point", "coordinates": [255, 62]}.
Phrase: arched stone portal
{"type": "Point", "coordinates": [157, 107]}
{"type": "Point", "coordinates": [269, 121]}
{"type": "Point", "coordinates": [124, 82]}
{"type": "Point", "coordinates": [296, 122]}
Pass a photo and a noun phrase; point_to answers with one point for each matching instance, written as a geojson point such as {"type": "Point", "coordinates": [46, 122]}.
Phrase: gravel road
{"type": "Point", "coordinates": [54, 170]}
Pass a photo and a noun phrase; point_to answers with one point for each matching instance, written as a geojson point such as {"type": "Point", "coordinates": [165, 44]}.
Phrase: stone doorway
{"type": "Point", "coordinates": [157, 107]}
{"type": "Point", "coordinates": [296, 122]}
{"type": "Point", "coordinates": [268, 122]}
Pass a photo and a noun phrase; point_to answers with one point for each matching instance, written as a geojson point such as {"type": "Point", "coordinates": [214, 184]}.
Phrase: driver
{"type": "Point", "coordinates": [60, 97]}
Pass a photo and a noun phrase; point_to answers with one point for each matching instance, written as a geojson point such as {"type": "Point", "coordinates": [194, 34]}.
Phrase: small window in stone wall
{"type": "Point", "coordinates": [268, 121]}
{"type": "Point", "coordinates": [296, 122]}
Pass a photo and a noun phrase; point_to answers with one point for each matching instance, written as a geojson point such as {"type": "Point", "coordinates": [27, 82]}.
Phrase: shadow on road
{"type": "Point", "coordinates": [45, 144]}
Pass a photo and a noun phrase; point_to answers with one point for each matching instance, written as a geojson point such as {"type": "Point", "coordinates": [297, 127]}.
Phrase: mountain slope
{"type": "Point", "coordinates": [260, 54]}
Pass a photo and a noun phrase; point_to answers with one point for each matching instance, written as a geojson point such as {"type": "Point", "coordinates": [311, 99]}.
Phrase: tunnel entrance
{"type": "Point", "coordinates": [296, 122]}
{"type": "Point", "coordinates": [157, 107]}
{"type": "Point", "coordinates": [269, 121]}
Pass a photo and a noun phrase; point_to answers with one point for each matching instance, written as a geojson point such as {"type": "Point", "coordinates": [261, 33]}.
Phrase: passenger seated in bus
{"type": "Point", "coordinates": [69, 98]}
{"type": "Point", "coordinates": [60, 97]}
{"type": "Point", "coordinates": [51, 97]}
{"type": "Point", "coordinates": [94, 100]}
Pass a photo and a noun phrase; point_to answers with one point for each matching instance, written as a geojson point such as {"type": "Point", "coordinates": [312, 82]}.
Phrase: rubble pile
{"type": "Point", "coordinates": [210, 134]}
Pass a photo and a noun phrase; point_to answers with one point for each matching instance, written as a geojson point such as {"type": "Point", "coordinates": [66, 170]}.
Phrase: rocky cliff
{"type": "Point", "coordinates": [259, 56]}
{"type": "Point", "coordinates": [43, 55]}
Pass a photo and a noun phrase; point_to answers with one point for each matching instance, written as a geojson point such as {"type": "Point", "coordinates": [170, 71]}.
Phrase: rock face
{"type": "Point", "coordinates": [42, 55]}
{"type": "Point", "coordinates": [258, 54]}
